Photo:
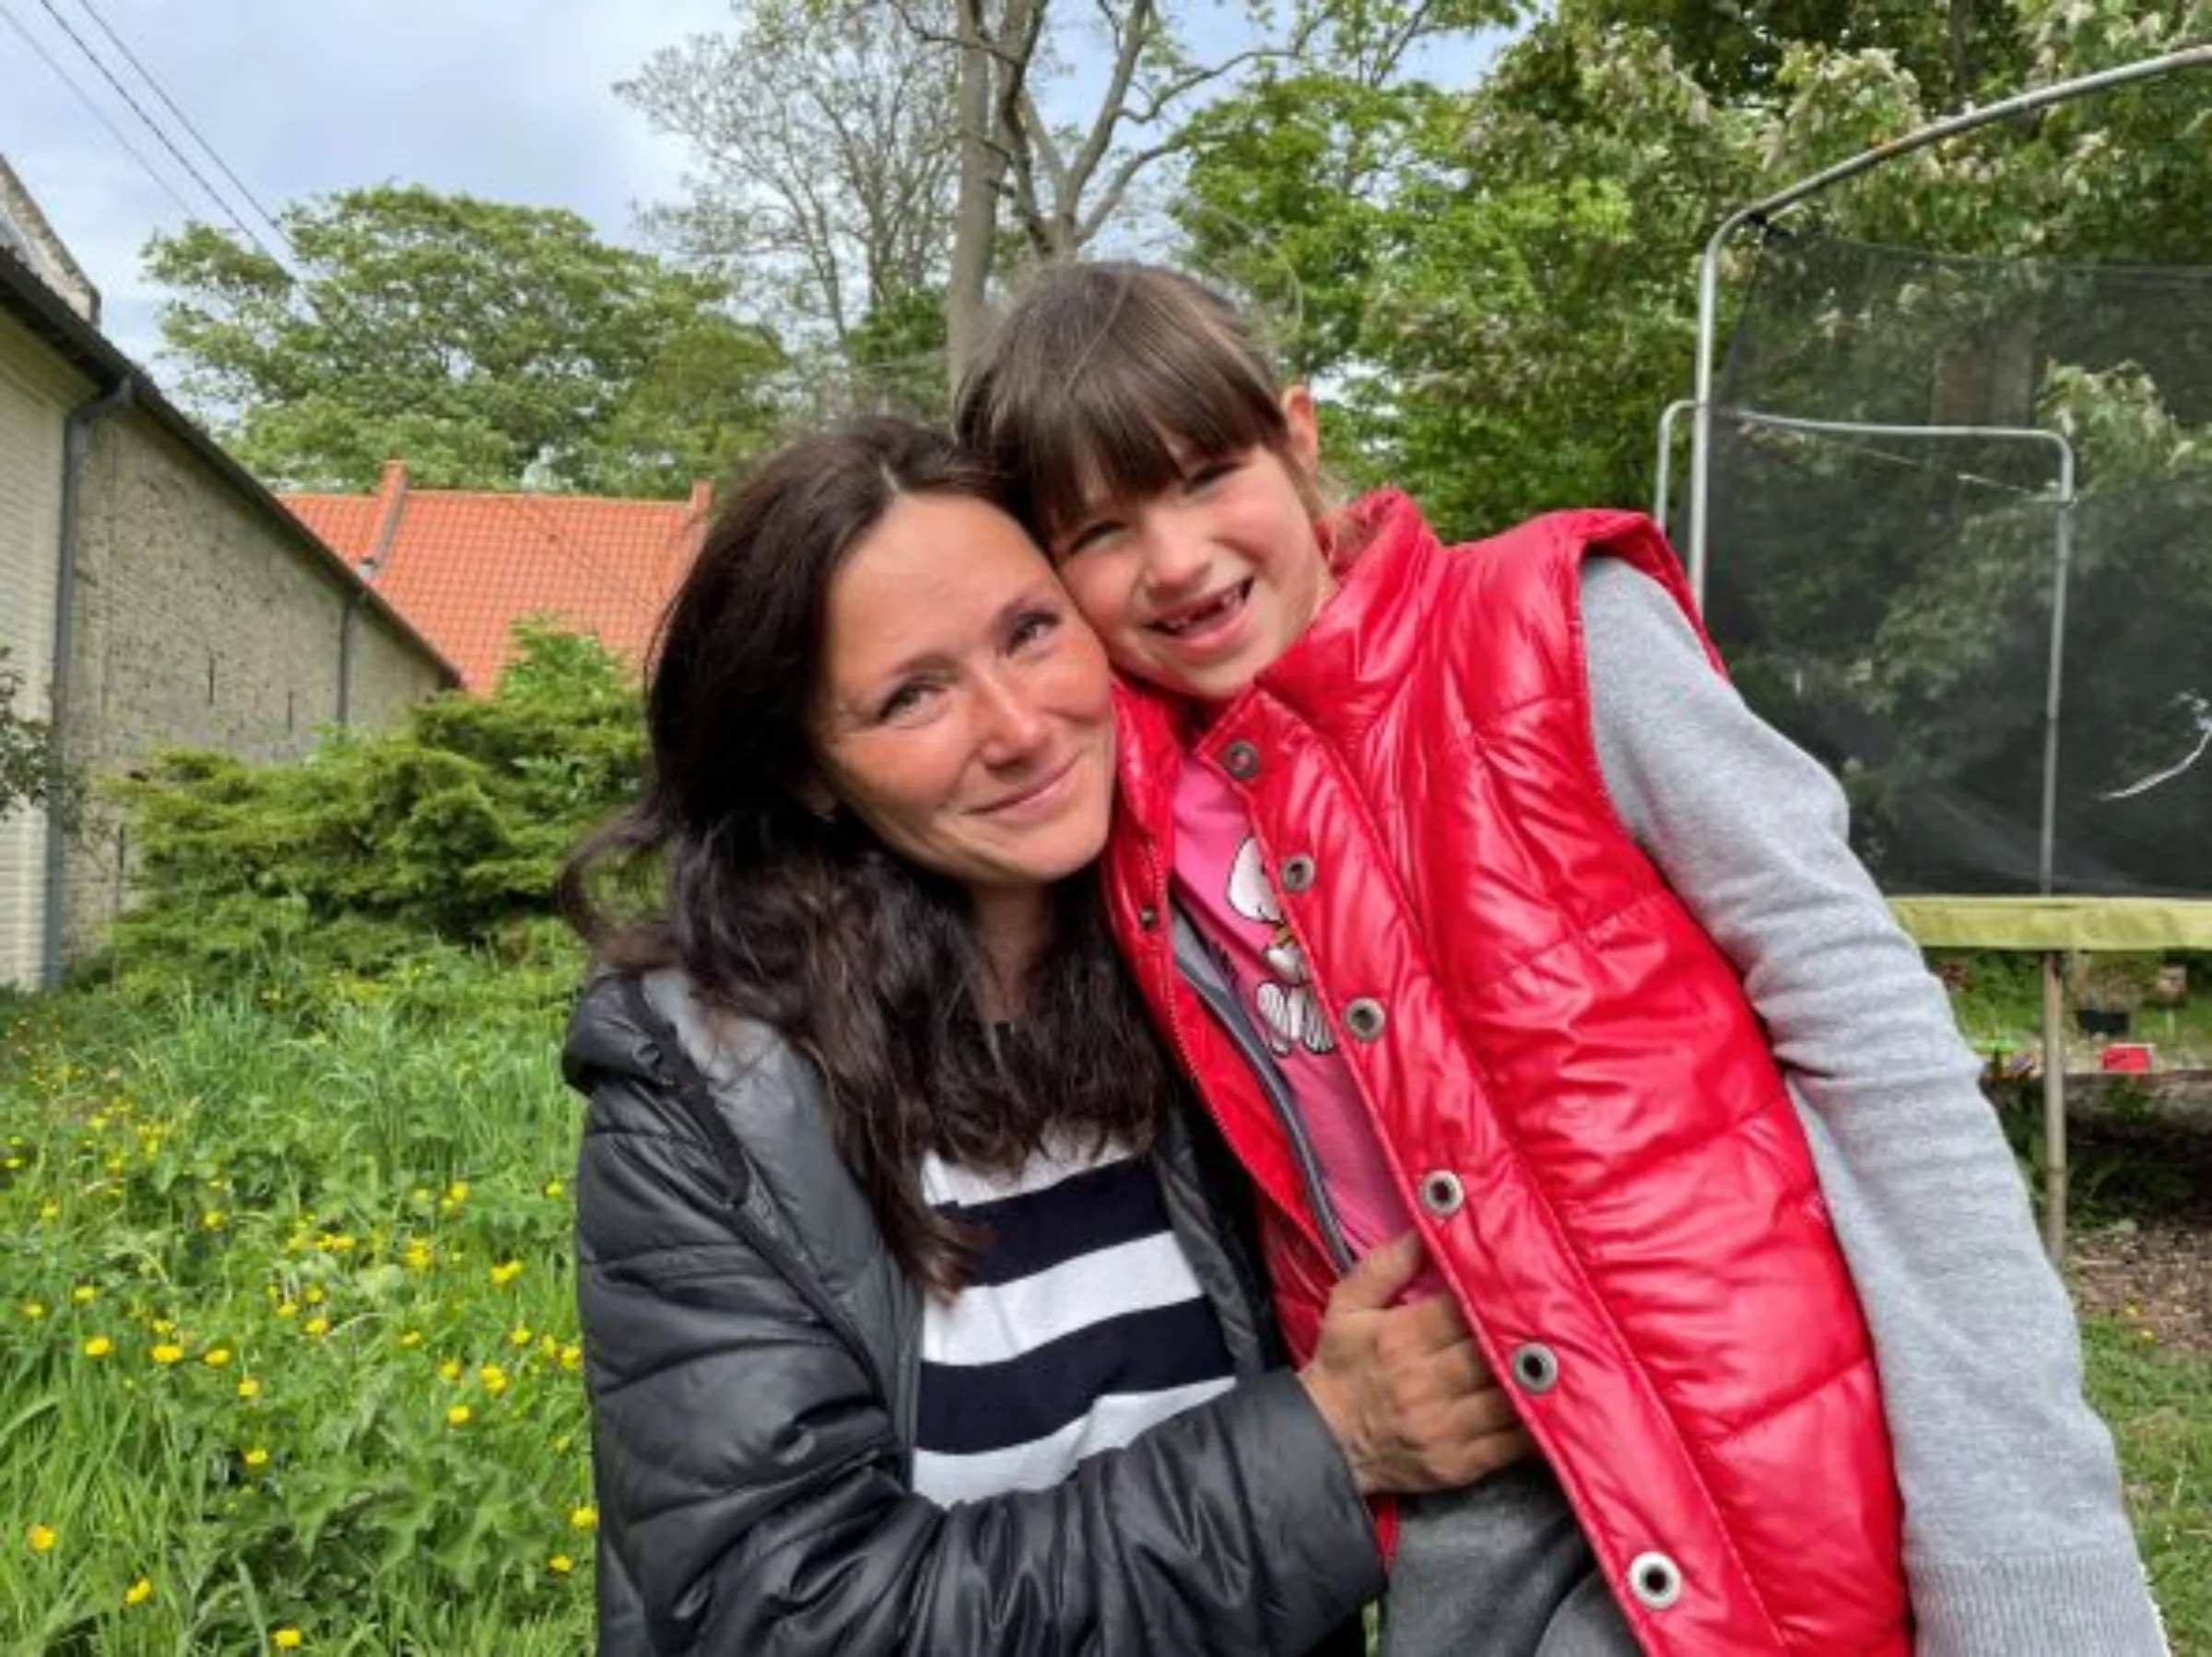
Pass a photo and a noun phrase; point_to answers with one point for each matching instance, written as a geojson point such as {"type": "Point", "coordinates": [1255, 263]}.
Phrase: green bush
{"type": "Point", "coordinates": [452, 824]}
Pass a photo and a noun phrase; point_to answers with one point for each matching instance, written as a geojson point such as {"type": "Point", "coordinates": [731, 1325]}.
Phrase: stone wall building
{"type": "Point", "coordinates": [153, 596]}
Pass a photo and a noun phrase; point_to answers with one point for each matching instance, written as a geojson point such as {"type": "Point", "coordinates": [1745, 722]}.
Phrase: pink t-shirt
{"type": "Point", "coordinates": [1231, 899]}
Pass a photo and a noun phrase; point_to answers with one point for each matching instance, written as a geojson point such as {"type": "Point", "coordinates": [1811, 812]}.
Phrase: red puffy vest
{"type": "Point", "coordinates": [1565, 1073]}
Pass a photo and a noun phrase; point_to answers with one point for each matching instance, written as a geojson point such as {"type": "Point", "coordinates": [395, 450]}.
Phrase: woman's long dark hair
{"type": "Point", "coordinates": [867, 964]}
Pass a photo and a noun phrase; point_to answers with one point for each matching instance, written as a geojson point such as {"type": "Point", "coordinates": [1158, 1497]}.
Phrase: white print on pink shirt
{"type": "Point", "coordinates": [1289, 1008]}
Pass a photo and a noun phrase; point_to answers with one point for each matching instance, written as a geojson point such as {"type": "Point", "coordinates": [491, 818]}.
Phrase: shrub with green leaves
{"type": "Point", "coordinates": [452, 824]}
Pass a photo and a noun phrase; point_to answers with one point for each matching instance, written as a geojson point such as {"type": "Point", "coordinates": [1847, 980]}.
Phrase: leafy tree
{"type": "Point", "coordinates": [490, 345]}
{"type": "Point", "coordinates": [854, 154]}
{"type": "Point", "coordinates": [825, 148]}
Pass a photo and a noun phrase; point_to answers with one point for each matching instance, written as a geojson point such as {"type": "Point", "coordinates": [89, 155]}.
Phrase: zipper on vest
{"type": "Point", "coordinates": [1231, 1018]}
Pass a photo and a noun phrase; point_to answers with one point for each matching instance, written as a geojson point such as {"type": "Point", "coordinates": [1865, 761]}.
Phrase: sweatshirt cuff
{"type": "Point", "coordinates": [2067, 1604]}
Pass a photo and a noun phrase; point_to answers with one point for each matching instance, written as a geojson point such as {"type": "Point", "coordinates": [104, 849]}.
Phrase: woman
{"type": "Point", "coordinates": [916, 1312]}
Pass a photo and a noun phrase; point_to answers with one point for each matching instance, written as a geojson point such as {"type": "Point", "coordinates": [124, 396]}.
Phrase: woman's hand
{"type": "Point", "coordinates": [1404, 1388]}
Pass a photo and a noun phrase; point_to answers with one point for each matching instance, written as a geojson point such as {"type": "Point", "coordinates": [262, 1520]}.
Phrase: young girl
{"type": "Point", "coordinates": [1478, 904]}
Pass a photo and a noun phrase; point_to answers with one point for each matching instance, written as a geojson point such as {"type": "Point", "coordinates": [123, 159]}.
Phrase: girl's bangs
{"type": "Point", "coordinates": [1127, 424]}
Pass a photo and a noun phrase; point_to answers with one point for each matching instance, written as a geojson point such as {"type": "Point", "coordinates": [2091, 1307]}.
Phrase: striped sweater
{"type": "Point", "coordinates": [1081, 1324]}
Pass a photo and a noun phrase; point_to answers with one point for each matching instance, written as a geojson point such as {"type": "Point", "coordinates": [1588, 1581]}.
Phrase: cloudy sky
{"type": "Point", "coordinates": [505, 99]}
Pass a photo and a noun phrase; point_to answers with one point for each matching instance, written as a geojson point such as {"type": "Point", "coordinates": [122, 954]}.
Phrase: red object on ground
{"type": "Point", "coordinates": [2126, 1058]}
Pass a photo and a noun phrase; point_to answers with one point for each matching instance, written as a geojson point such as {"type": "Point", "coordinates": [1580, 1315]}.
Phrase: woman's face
{"type": "Point", "coordinates": [965, 712]}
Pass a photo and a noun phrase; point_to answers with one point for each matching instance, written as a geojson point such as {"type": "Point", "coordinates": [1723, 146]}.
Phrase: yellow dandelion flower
{"type": "Point", "coordinates": [560, 1445]}
{"type": "Point", "coordinates": [50, 1211]}
{"type": "Point", "coordinates": [450, 1369]}
{"type": "Point", "coordinates": [42, 1538]}
{"type": "Point", "coordinates": [215, 1358]}
{"type": "Point", "coordinates": [457, 1415]}
{"type": "Point", "coordinates": [248, 1387]}
{"type": "Point", "coordinates": [139, 1592]}
{"type": "Point", "coordinates": [412, 1338]}
{"type": "Point", "coordinates": [494, 1378]}
{"type": "Point", "coordinates": [571, 1356]}
{"type": "Point", "coordinates": [556, 1190]}
{"type": "Point", "coordinates": [585, 1518]}
{"type": "Point", "coordinates": [99, 1347]}
{"type": "Point", "coordinates": [215, 1220]}
{"type": "Point", "coordinates": [518, 1336]}
{"type": "Point", "coordinates": [287, 1309]}
{"type": "Point", "coordinates": [168, 1352]}
{"type": "Point", "coordinates": [421, 1193]}
{"type": "Point", "coordinates": [312, 1294]}
{"type": "Point", "coordinates": [418, 1257]}
{"type": "Point", "coordinates": [255, 1457]}
{"type": "Point", "coordinates": [34, 1310]}
{"type": "Point", "coordinates": [316, 1327]}
{"type": "Point", "coordinates": [12, 1163]}
{"type": "Point", "coordinates": [560, 1565]}
{"type": "Point", "coordinates": [163, 1325]}
{"type": "Point", "coordinates": [506, 1272]}
{"type": "Point", "coordinates": [84, 1294]}
{"type": "Point", "coordinates": [457, 1191]}
{"type": "Point", "coordinates": [288, 1639]}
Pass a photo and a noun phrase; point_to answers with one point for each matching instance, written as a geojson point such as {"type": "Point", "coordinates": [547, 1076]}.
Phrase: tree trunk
{"type": "Point", "coordinates": [975, 208]}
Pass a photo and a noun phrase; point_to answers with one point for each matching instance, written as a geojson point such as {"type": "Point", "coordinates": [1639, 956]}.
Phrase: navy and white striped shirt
{"type": "Point", "coordinates": [1080, 1326]}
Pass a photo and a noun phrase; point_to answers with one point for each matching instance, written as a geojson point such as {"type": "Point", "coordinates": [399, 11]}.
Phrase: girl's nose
{"type": "Point", "coordinates": [1175, 557]}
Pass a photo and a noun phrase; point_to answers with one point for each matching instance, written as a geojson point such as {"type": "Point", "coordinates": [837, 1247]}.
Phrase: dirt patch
{"type": "Point", "coordinates": [2153, 1276]}
{"type": "Point", "coordinates": [2142, 1249]}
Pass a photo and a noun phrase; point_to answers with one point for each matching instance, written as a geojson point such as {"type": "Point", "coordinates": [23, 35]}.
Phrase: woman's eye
{"type": "Point", "coordinates": [904, 703]}
{"type": "Point", "coordinates": [1034, 627]}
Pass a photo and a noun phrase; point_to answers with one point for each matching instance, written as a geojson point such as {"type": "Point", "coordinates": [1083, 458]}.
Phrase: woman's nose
{"type": "Point", "coordinates": [1013, 725]}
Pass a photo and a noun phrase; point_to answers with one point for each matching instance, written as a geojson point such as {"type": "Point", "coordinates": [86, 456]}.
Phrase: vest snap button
{"type": "Point", "coordinates": [1241, 760]}
{"type": "Point", "coordinates": [1148, 917]}
{"type": "Point", "coordinates": [1298, 872]}
{"type": "Point", "coordinates": [1654, 1579]}
{"type": "Point", "coordinates": [1442, 1193]}
{"type": "Point", "coordinates": [1364, 1018]}
{"type": "Point", "coordinates": [1536, 1366]}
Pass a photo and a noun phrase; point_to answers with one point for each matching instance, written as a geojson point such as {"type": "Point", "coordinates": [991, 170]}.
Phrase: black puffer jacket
{"type": "Point", "coordinates": [752, 1354]}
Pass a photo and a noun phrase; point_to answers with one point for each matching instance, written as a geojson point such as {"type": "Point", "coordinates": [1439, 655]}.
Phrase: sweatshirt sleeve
{"type": "Point", "coordinates": [2017, 1538]}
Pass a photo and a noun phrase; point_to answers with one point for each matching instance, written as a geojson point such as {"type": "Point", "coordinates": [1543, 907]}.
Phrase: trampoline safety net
{"type": "Point", "coordinates": [1889, 599]}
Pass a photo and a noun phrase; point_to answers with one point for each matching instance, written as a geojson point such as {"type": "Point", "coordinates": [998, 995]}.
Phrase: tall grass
{"type": "Point", "coordinates": [288, 1348]}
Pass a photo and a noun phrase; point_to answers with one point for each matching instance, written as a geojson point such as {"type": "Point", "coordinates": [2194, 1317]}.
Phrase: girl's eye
{"type": "Point", "coordinates": [1033, 626]}
{"type": "Point", "coordinates": [1091, 535]}
{"type": "Point", "coordinates": [1207, 472]}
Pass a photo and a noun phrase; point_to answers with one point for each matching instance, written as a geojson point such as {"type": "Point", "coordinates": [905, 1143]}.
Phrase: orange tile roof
{"type": "Point", "coordinates": [464, 566]}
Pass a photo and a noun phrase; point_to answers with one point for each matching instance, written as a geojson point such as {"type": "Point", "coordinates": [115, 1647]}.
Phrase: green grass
{"type": "Point", "coordinates": [287, 1339]}
{"type": "Point", "coordinates": [350, 1193]}
{"type": "Point", "coordinates": [2160, 1405]}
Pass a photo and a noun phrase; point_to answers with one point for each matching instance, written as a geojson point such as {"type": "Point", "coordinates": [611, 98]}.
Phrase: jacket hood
{"type": "Point", "coordinates": [607, 1038]}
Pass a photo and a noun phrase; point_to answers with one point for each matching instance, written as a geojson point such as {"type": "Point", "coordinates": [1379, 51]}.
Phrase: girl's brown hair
{"type": "Point", "coordinates": [1105, 381]}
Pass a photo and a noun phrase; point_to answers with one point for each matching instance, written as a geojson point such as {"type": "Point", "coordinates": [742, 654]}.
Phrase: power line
{"type": "Point", "coordinates": [99, 114]}
{"type": "Point", "coordinates": [155, 127]}
{"type": "Point", "coordinates": [185, 120]}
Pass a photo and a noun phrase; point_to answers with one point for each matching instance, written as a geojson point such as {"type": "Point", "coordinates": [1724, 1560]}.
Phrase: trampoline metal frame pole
{"type": "Point", "coordinates": [1765, 210]}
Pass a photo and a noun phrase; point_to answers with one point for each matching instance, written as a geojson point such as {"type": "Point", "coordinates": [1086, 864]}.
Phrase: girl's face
{"type": "Point", "coordinates": [1200, 587]}
{"type": "Point", "coordinates": [965, 713]}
